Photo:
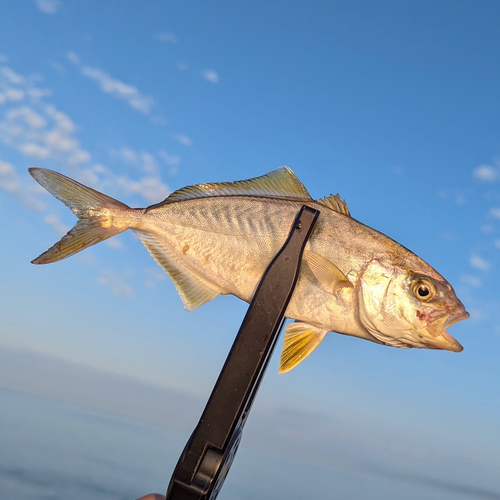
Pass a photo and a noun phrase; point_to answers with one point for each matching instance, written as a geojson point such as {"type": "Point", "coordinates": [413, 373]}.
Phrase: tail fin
{"type": "Point", "coordinates": [94, 210]}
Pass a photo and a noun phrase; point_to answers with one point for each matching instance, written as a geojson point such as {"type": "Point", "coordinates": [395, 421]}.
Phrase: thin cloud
{"type": "Point", "coordinates": [56, 224]}
{"type": "Point", "coordinates": [36, 129]}
{"type": "Point", "coordinates": [73, 58]}
{"type": "Point", "coordinates": [116, 282]}
{"type": "Point", "coordinates": [151, 189]}
{"type": "Point", "coordinates": [166, 37]}
{"type": "Point", "coordinates": [495, 212]}
{"type": "Point", "coordinates": [171, 160]}
{"type": "Point", "coordinates": [9, 179]}
{"type": "Point", "coordinates": [48, 6]}
{"type": "Point", "coordinates": [479, 263]}
{"type": "Point", "coordinates": [142, 160]}
{"type": "Point", "coordinates": [58, 67]}
{"type": "Point", "coordinates": [119, 89]}
{"type": "Point", "coordinates": [183, 139]}
{"type": "Point", "coordinates": [113, 86]}
{"type": "Point", "coordinates": [486, 173]}
{"type": "Point", "coordinates": [211, 76]}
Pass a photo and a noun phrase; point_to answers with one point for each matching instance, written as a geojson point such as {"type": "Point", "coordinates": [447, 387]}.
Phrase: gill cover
{"type": "Point", "coordinates": [381, 309]}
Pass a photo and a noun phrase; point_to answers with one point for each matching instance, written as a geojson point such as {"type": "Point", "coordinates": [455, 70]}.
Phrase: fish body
{"type": "Point", "coordinates": [219, 238]}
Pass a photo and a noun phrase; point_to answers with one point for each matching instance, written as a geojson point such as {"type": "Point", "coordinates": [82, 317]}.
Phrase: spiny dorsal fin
{"type": "Point", "coordinates": [193, 291]}
{"type": "Point", "coordinates": [335, 203]}
{"type": "Point", "coordinates": [280, 183]}
{"type": "Point", "coordinates": [326, 272]}
{"type": "Point", "coordinates": [299, 341]}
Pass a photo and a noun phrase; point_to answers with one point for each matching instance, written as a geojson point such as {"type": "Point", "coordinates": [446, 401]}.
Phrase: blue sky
{"type": "Point", "coordinates": [395, 105]}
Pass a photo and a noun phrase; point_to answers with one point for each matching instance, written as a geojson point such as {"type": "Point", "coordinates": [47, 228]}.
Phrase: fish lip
{"type": "Point", "coordinates": [442, 339]}
{"type": "Point", "coordinates": [455, 318]}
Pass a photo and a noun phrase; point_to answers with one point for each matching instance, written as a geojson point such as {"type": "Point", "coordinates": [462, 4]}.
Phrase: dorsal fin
{"type": "Point", "coordinates": [280, 183]}
{"type": "Point", "coordinates": [335, 203]}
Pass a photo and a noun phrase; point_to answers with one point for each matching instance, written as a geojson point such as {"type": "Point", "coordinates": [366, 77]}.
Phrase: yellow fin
{"type": "Point", "coordinates": [299, 341]}
{"type": "Point", "coordinates": [280, 183]}
{"type": "Point", "coordinates": [193, 291]}
{"type": "Point", "coordinates": [326, 272]}
{"type": "Point", "coordinates": [335, 203]}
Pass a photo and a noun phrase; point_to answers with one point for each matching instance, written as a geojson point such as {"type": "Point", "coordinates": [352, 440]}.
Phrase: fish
{"type": "Point", "coordinates": [218, 239]}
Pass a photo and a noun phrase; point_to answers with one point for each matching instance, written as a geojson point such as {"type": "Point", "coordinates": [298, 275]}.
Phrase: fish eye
{"type": "Point", "coordinates": [423, 289]}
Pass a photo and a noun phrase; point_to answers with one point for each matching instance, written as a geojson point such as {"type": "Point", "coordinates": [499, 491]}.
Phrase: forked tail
{"type": "Point", "coordinates": [96, 214]}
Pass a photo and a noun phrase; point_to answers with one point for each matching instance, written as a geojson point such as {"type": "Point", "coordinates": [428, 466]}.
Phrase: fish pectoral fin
{"type": "Point", "coordinates": [326, 272]}
{"type": "Point", "coordinates": [193, 291]}
{"type": "Point", "coordinates": [299, 341]}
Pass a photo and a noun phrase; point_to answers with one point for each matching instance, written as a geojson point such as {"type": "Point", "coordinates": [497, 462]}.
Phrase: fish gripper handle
{"type": "Point", "coordinates": [209, 453]}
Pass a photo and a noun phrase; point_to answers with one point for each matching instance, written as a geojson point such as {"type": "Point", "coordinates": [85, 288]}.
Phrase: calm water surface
{"type": "Point", "coordinates": [54, 451]}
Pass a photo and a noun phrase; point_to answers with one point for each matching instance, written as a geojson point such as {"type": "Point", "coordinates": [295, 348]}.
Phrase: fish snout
{"type": "Point", "coordinates": [440, 338]}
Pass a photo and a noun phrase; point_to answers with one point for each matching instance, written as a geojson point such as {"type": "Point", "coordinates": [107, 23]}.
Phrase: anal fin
{"type": "Point", "coordinates": [193, 291]}
{"type": "Point", "coordinates": [299, 341]}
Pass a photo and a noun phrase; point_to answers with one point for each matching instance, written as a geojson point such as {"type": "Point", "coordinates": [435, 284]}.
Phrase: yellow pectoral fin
{"type": "Point", "coordinates": [299, 341]}
{"type": "Point", "coordinates": [326, 272]}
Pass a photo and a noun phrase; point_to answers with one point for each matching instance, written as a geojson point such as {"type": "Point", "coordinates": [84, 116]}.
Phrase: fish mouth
{"type": "Point", "coordinates": [441, 339]}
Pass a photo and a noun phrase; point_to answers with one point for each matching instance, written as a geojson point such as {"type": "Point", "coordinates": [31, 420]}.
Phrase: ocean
{"type": "Point", "coordinates": [50, 450]}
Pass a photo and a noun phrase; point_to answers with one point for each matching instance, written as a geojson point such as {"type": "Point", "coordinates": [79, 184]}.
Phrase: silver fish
{"type": "Point", "coordinates": [219, 238]}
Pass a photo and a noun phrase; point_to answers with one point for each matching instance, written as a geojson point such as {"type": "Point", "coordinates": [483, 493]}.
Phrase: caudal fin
{"type": "Point", "coordinates": [95, 211]}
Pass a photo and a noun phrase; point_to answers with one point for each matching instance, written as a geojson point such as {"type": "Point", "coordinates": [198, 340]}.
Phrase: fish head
{"type": "Point", "coordinates": [406, 308]}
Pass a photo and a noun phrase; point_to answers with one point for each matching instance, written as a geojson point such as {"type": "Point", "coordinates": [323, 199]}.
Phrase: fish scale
{"type": "Point", "coordinates": [219, 238]}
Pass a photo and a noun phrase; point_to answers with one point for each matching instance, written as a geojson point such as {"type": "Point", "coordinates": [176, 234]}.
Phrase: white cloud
{"type": "Point", "coordinates": [11, 76]}
{"type": "Point", "coordinates": [114, 242]}
{"type": "Point", "coordinates": [497, 243]}
{"type": "Point", "coordinates": [166, 37]}
{"type": "Point", "coordinates": [116, 282]}
{"type": "Point", "coordinates": [28, 116]}
{"type": "Point", "coordinates": [114, 87]}
{"type": "Point", "coordinates": [454, 194]}
{"type": "Point", "coordinates": [73, 58]}
{"type": "Point", "coordinates": [183, 139]}
{"type": "Point", "coordinates": [47, 6]}
{"type": "Point", "coordinates": [486, 173]}
{"type": "Point", "coordinates": [479, 263]}
{"type": "Point", "coordinates": [3, 58]}
{"type": "Point", "coordinates": [487, 228]}
{"type": "Point", "coordinates": [56, 224]}
{"type": "Point", "coordinates": [34, 150]}
{"type": "Point", "coordinates": [182, 66]}
{"type": "Point", "coordinates": [14, 95]}
{"type": "Point", "coordinates": [119, 89]}
{"type": "Point", "coordinates": [171, 160]}
{"type": "Point", "coordinates": [36, 129]}
{"type": "Point", "coordinates": [6, 168]}
{"type": "Point", "coordinates": [495, 212]}
{"type": "Point", "coordinates": [57, 66]}
{"type": "Point", "coordinates": [151, 189]}
{"type": "Point", "coordinates": [44, 133]}
{"type": "Point", "coordinates": [211, 76]}
{"type": "Point", "coordinates": [142, 160]}
{"type": "Point", "coordinates": [8, 178]}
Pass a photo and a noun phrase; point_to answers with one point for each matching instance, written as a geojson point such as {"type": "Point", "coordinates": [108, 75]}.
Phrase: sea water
{"type": "Point", "coordinates": [50, 450]}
